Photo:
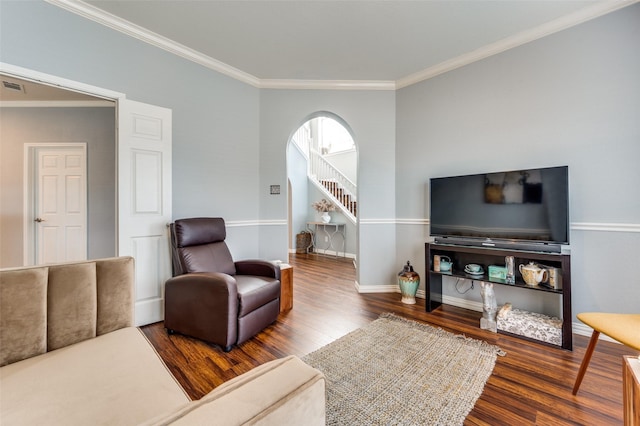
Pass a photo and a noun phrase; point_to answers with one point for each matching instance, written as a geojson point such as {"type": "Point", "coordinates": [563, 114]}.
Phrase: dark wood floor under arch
{"type": "Point", "coordinates": [531, 385]}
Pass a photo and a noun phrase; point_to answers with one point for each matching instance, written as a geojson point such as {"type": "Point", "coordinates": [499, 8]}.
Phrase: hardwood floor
{"type": "Point", "coordinates": [531, 385]}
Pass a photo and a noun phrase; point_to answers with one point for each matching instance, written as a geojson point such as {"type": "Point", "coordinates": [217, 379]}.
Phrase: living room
{"type": "Point", "coordinates": [570, 98]}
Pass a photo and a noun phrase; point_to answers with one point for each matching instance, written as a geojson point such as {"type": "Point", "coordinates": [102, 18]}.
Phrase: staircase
{"type": "Point", "coordinates": [338, 192]}
{"type": "Point", "coordinates": [336, 187]}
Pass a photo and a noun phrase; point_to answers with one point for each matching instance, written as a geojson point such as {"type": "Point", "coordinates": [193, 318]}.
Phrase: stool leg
{"type": "Point", "coordinates": [586, 360]}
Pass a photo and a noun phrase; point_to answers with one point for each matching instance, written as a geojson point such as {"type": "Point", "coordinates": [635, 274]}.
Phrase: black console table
{"type": "Point", "coordinates": [463, 255]}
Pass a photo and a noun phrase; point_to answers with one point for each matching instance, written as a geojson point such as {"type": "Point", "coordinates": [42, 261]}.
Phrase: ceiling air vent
{"type": "Point", "coordinates": [13, 86]}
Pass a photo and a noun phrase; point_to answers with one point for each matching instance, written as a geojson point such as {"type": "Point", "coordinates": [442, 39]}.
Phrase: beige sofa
{"type": "Point", "coordinates": [69, 355]}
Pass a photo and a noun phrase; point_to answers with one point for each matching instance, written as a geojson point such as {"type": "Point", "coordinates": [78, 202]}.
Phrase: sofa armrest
{"type": "Point", "coordinates": [280, 392]}
{"type": "Point", "coordinates": [200, 305]}
{"type": "Point", "coordinates": [261, 268]}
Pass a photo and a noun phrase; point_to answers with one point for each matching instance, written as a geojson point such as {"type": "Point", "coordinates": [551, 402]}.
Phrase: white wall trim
{"type": "Point", "coordinates": [420, 222]}
{"type": "Point", "coordinates": [584, 330]}
{"type": "Point", "coordinates": [376, 288]}
{"type": "Point", "coordinates": [52, 80]}
{"type": "Point", "coordinates": [56, 104]}
{"type": "Point", "coordinates": [575, 226]}
{"type": "Point", "coordinates": [607, 227]}
{"type": "Point", "coordinates": [377, 221]}
{"type": "Point", "coordinates": [327, 84]}
{"type": "Point", "coordinates": [109, 20]}
{"type": "Point", "coordinates": [246, 223]}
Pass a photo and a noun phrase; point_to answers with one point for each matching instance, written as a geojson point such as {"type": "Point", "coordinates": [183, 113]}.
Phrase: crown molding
{"type": "Point", "coordinates": [109, 20]}
{"type": "Point", "coordinates": [327, 84]}
{"type": "Point", "coordinates": [516, 40]}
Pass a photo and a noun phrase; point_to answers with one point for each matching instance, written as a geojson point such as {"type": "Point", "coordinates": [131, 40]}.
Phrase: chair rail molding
{"type": "Point", "coordinates": [606, 227]}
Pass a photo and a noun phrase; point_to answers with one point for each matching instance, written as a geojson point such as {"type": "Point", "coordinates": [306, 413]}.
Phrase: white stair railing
{"type": "Point", "coordinates": [331, 181]}
{"type": "Point", "coordinates": [340, 188]}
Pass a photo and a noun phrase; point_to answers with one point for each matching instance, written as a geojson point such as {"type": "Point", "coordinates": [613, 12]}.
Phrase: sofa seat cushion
{"type": "Point", "coordinates": [113, 379]}
{"type": "Point", "coordinates": [282, 392]}
{"type": "Point", "coordinates": [255, 291]}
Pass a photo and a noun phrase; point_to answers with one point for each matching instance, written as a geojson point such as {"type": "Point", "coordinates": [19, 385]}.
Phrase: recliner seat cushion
{"type": "Point", "coordinates": [254, 291]}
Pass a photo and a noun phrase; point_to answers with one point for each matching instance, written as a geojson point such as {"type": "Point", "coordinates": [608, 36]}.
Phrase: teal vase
{"type": "Point", "coordinates": [408, 280]}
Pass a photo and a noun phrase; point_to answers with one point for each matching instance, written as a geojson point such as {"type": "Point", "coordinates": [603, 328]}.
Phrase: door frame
{"type": "Point", "coordinates": [29, 194]}
{"type": "Point", "coordinates": [75, 86]}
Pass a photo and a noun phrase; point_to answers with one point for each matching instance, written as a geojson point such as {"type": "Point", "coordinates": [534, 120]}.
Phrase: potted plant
{"type": "Point", "coordinates": [323, 206]}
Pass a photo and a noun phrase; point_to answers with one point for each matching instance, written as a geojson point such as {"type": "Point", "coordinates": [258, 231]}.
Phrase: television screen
{"type": "Point", "coordinates": [521, 205]}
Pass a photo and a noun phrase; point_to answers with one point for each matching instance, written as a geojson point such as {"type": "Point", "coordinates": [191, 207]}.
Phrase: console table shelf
{"type": "Point", "coordinates": [463, 255]}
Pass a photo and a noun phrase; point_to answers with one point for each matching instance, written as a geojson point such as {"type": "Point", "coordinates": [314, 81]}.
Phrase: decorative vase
{"type": "Point", "coordinates": [408, 280]}
{"type": "Point", "coordinates": [326, 218]}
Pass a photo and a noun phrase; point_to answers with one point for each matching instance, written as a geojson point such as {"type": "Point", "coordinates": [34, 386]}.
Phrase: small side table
{"type": "Point", "coordinates": [329, 231]}
{"type": "Point", "coordinates": [286, 287]}
{"type": "Point", "coordinates": [631, 390]}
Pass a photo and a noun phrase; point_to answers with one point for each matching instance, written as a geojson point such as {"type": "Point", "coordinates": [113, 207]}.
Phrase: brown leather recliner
{"type": "Point", "coordinates": [211, 297]}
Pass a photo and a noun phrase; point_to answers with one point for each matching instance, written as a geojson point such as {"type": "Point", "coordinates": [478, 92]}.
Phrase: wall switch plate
{"type": "Point", "coordinates": [274, 190]}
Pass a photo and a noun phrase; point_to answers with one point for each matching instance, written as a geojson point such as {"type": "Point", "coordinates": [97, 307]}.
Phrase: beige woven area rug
{"type": "Point", "coordinates": [396, 371]}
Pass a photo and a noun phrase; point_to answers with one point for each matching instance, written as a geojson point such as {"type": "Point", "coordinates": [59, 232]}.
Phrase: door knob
{"type": "Point", "coordinates": [37, 219]}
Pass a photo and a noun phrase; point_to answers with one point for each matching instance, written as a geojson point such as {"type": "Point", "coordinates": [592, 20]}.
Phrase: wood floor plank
{"type": "Point", "coordinates": [531, 385]}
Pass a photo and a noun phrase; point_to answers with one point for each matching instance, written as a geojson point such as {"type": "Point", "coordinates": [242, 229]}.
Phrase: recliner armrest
{"type": "Point", "coordinates": [261, 268]}
{"type": "Point", "coordinates": [203, 305]}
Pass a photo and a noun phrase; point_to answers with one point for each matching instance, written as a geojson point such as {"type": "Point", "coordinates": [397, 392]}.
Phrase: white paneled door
{"type": "Point", "coordinates": [60, 203]}
{"type": "Point", "coordinates": [144, 201]}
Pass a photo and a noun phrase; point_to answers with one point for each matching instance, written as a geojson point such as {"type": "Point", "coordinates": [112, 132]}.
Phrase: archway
{"type": "Point", "coordinates": [322, 163]}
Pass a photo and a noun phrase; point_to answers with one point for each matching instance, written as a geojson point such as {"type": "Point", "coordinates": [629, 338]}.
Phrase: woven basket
{"type": "Point", "coordinates": [303, 240]}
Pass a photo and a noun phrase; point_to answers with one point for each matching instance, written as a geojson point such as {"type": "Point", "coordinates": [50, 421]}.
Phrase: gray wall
{"type": "Point", "coordinates": [570, 98]}
{"type": "Point", "coordinates": [297, 173]}
{"type": "Point", "coordinates": [93, 126]}
{"type": "Point", "coordinates": [573, 99]}
{"type": "Point", "coordinates": [346, 162]}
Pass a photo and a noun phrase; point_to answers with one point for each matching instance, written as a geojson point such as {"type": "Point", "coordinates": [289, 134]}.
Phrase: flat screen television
{"type": "Point", "coordinates": [518, 209]}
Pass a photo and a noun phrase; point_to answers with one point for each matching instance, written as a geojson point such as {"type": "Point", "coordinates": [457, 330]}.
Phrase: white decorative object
{"type": "Point", "coordinates": [533, 325]}
{"type": "Point", "coordinates": [489, 307]}
{"type": "Point", "coordinates": [326, 217]}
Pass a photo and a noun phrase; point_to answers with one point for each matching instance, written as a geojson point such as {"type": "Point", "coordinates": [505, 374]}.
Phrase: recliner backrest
{"type": "Point", "coordinates": [198, 246]}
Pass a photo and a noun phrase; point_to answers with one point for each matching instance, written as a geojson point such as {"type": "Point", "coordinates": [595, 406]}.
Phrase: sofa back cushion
{"type": "Point", "coordinates": [116, 294]}
{"type": "Point", "coordinates": [43, 308]}
{"type": "Point", "coordinates": [71, 304]}
{"type": "Point", "coordinates": [23, 314]}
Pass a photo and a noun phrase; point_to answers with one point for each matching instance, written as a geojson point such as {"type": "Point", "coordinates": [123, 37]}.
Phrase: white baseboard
{"type": "Point", "coordinates": [329, 253]}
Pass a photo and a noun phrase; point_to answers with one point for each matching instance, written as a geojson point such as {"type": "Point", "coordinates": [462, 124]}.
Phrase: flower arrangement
{"type": "Point", "coordinates": [323, 206]}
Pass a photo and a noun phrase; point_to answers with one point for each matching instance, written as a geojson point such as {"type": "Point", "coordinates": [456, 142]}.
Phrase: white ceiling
{"type": "Point", "coordinates": [359, 40]}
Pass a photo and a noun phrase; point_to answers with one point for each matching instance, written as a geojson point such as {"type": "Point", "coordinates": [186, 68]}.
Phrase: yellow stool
{"type": "Point", "coordinates": [624, 328]}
